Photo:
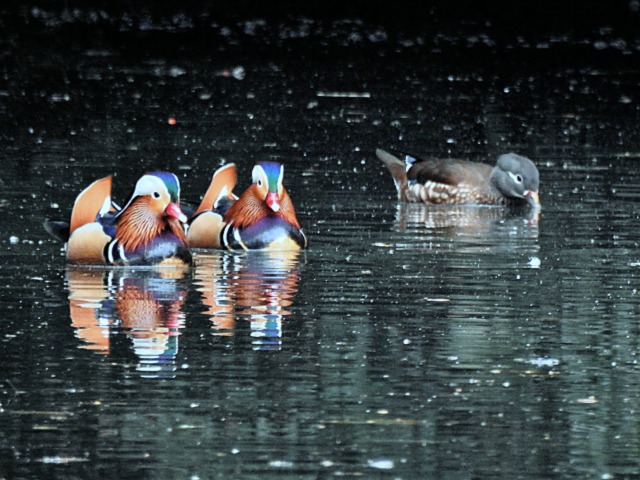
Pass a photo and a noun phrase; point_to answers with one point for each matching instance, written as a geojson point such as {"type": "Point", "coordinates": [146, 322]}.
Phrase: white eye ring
{"type": "Point", "coordinates": [156, 194]}
{"type": "Point", "coordinates": [259, 182]}
{"type": "Point", "coordinates": [515, 177]}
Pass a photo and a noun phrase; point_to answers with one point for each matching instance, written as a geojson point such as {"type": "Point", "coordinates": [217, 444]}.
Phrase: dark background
{"type": "Point", "coordinates": [520, 372]}
{"type": "Point", "coordinates": [531, 18]}
{"type": "Point", "coordinates": [572, 27]}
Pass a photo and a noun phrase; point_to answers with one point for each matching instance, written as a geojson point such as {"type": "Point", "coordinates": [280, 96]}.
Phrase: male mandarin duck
{"type": "Point", "coordinates": [149, 230]}
{"type": "Point", "coordinates": [262, 218]}
{"type": "Point", "coordinates": [514, 180]}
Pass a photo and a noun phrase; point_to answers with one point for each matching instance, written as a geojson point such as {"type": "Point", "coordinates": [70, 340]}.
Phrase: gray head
{"type": "Point", "coordinates": [516, 176]}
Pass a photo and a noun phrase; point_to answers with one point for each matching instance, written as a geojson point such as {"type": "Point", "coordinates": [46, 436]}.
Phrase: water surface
{"type": "Point", "coordinates": [406, 342]}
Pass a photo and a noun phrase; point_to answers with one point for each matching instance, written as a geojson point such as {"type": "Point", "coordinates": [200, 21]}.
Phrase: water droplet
{"type": "Point", "coordinates": [381, 463]}
{"type": "Point", "coordinates": [534, 262]}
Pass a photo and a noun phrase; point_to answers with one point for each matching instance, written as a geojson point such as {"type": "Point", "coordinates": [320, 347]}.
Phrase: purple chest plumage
{"type": "Point", "coordinates": [270, 232]}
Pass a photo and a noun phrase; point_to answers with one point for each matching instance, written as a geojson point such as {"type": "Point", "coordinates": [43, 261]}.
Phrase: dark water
{"type": "Point", "coordinates": [406, 342]}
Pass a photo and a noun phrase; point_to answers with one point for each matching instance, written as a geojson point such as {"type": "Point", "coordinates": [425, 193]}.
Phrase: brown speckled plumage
{"type": "Point", "coordinates": [514, 180]}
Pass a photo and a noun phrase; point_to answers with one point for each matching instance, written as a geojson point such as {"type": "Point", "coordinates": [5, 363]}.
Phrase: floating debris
{"type": "Point", "coordinates": [177, 72]}
{"type": "Point", "coordinates": [234, 72]}
{"type": "Point", "coordinates": [344, 94]}
{"type": "Point", "coordinates": [544, 362]}
{"type": "Point", "coordinates": [590, 399]}
{"type": "Point", "coordinates": [382, 244]}
{"type": "Point", "coordinates": [381, 463]}
{"type": "Point", "coordinates": [59, 460]}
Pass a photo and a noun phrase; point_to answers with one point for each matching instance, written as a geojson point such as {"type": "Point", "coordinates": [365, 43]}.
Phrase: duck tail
{"type": "Point", "coordinates": [398, 169]}
{"type": "Point", "coordinates": [222, 185]}
{"type": "Point", "coordinates": [57, 229]}
{"type": "Point", "coordinates": [92, 202]}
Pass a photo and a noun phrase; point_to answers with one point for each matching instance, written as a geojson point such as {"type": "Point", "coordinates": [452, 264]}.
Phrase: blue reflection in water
{"type": "Point", "coordinates": [145, 304]}
{"type": "Point", "coordinates": [256, 286]}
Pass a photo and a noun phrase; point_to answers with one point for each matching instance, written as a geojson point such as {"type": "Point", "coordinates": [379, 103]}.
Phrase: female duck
{"type": "Point", "coordinates": [514, 180]}
{"type": "Point", "coordinates": [263, 218]}
{"type": "Point", "coordinates": [149, 230]}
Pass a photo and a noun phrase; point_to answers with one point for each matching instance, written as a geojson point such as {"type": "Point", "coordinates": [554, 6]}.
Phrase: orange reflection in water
{"type": "Point", "coordinates": [254, 286]}
{"type": "Point", "coordinates": [146, 304]}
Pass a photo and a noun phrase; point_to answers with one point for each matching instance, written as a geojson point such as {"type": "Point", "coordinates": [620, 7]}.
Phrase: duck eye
{"type": "Point", "coordinates": [519, 178]}
{"type": "Point", "coordinates": [259, 182]}
{"type": "Point", "coordinates": [156, 194]}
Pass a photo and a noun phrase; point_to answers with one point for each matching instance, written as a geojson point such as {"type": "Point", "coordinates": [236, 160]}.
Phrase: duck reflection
{"type": "Point", "coordinates": [476, 218]}
{"type": "Point", "coordinates": [145, 304]}
{"type": "Point", "coordinates": [256, 286]}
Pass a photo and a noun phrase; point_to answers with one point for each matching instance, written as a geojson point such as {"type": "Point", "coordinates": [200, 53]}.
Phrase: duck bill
{"type": "Point", "coordinates": [173, 210]}
{"type": "Point", "coordinates": [533, 198]}
{"type": "Point", "coordinates": [273, 201]}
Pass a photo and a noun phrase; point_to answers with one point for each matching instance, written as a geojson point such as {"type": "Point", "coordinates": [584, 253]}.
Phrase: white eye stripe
{"type": "Point", "coordinates": [150, 185]}
{"type": "Point", "coordinates": [177, 183]}
{"type": "Point", "coordinates": [147, 185]}
{"type": "Point", "coordinates": [260, 178]}
{"type": "Point", "coordinates": [258, 175]}
{"type": "Point", "coordinates": [515, 177]}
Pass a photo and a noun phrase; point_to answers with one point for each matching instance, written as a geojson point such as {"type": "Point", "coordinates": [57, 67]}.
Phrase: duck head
{"type": "Point", "coordinates": [160, 191]}
{"type": "Point", "coordinates": [516, 176]}
{"type": "Point", "coordinates": [267, 181]}
{"type": "Point", "coordinates": [153, 207]}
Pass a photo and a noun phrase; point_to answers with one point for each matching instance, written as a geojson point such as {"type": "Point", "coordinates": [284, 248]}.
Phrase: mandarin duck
{"type": "Point", "coordinates": [262, 218]}
{"type": "Point", "coordinates": [514, 180]}
{"type": "Point", "coordinates": [149, 230]}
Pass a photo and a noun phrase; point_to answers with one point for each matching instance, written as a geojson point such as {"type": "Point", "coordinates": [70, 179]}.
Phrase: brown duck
{"type": "Point", "coordinates": [514, 180]}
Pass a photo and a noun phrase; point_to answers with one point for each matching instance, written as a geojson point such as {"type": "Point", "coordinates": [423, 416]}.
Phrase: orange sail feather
{"type": "Point", "coordinates": [91, 202]}
{"type": "Point", "coordinates": [222, 184]}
